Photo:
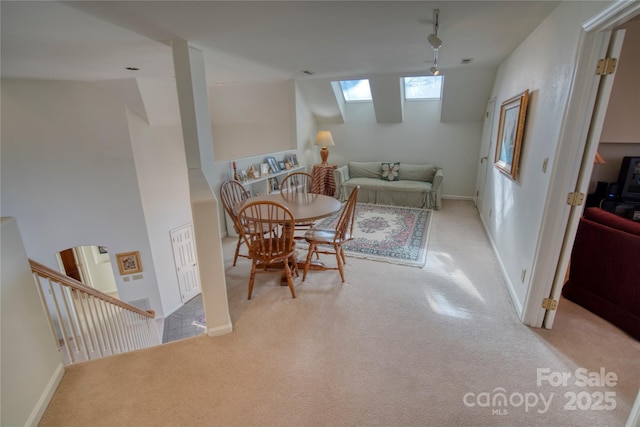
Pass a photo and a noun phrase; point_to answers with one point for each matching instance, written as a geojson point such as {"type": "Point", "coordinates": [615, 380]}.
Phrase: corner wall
{"type": "Point", "coordinates": [512, 210]}
{"type": "Point", "coordinates": [69, 177]}
{"type": "Point", "coordinates": [31, 365]}
{"type": "Point", "coordinates": [422, 138]}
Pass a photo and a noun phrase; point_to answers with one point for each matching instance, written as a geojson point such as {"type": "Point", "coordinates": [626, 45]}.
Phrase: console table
{"type": "Point", "coordinates": [323, 180]}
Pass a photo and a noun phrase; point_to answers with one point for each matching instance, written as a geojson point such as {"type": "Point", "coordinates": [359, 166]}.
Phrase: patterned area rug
{"type": "Point", "coordinates": [392, 234]}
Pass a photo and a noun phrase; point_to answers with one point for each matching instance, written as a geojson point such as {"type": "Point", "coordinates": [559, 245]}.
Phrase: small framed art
{"type": "Point", "coordinates": [129, 262]}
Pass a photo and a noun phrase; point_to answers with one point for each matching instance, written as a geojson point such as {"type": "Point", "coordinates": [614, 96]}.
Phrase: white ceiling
{"type": "Point", "coordinates": [257, 41]}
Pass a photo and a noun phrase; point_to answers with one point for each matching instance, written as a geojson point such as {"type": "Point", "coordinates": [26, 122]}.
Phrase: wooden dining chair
{"type": "Point", "coordinates": [334, 238]}
{"type": "Point", "coordinates": [298, 183]}
{"type": "Point", "coordinates": [233, 194]}
{"type": "Point", "coordinates": [270, 241]}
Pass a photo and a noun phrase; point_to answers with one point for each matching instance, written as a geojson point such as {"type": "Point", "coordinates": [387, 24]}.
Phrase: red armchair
{"type": "Point", "coordinates": [604, 276]}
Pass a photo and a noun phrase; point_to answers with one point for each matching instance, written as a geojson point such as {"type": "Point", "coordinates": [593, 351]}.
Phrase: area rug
{"type": "Point", "coordinates": [392, 234]}
{"type": "Point", "coordinates": [200, 322]}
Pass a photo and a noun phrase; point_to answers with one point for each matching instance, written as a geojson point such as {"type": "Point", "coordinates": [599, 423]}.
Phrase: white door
{"type": "Point", "coordinates": [487, 132]}
{"type": "Point", "coordinates": [582, 184]}
{"type": "Point", "coordinates": [186, 260]}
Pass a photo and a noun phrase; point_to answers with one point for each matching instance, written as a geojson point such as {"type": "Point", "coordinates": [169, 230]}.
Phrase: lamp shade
{"type": "Point", "coordinates": [324, 138]}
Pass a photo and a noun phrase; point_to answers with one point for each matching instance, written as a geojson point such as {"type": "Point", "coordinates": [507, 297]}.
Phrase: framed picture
{"type": "Point", "coordinates": [129, 262]}
{"type": "Point", "coordinates": [513, 113]}
{"type": "Point", "coordinates": [264, 169]}
{"type": "Point", "coordinates": [281, 165]}
{"type": "Point", "coordinates": [100, 254]}
{"type": "Point", "coordinates": [273, 165]}
{"type": "Point", "coordinates": [253, 172]}
{"type": "Point", "coordinates": [293, 160]}
{"type": "Point", "coordinates": [274, 184]}
{"type": "Point", "coordinates": [243, 175]}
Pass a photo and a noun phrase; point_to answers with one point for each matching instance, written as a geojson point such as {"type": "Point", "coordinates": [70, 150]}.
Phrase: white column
{"type": "Point", "coordinates": [196, 130]}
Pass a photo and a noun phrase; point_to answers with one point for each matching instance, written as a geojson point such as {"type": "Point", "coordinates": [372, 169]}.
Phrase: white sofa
{"type": "Point", "coordinates": [414, 185]}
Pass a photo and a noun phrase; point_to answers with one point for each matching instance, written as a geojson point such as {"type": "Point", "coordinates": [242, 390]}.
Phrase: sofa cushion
{"type": "Point", "coordinates": [365, 170]}
{"type": "Point", "coordinates": [390, 171]}
{"type": "Point", "coordinates": [612, 220]}
{"type": "Point", "coordinates": [417, 172]}
{"type": "Point", "coordinates": [380, 184]}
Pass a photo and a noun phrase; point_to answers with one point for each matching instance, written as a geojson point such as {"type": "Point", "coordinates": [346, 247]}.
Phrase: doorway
{"type": "Point", "coordinates": [582, 128]}
{"type": "Point", "coordinates": [90, 265]}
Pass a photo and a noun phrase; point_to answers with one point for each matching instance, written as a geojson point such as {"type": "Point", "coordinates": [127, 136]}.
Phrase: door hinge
{"type": "Point", "coordinates": [575, 199]}
{"type": "Point", "coordinates": [549, 304]}
{"type": "Point", "coordinates": [606, 66]}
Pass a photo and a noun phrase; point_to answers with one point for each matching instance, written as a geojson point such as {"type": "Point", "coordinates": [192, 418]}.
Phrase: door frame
{"type": "Point", "coordinates": [550, 261]}
{"type": "Point", "coordinates": [485, 152]}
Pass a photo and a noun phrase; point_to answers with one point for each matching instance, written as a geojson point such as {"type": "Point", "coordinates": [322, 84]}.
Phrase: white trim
{"type": "Point", "coordinates": [220, 330]}
{"type": "Point", "coordinates": [45, 397]}
{"type": "Point", "coordinates": [512, 292]}
{"type": "Point", "coordinates": [634, 416]}
{"type": "Point", "coordinates": [559, 219]}
{"type": "Point", "coordinates": [617, 13]}
{"type": "Point", "coordinates": [452, 197]}
{"type": "Point", "coordinates": [564, 175]}
{"type": "Point", "coordinates": [173, 310]}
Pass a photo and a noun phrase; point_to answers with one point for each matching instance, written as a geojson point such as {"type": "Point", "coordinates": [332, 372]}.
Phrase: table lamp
{"type": "Point", "coordinates": [324, 138]}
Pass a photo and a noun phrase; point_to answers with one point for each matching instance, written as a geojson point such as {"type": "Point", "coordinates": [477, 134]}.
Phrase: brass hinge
{"type": "Point", "coordinates": [606, 66]}
{"type": "Point", "coordinates": [549, 304]}
{"type": "Point", "coordinates": [575, 199]}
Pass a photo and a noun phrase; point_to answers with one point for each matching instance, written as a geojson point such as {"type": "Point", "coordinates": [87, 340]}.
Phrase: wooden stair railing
{"type": "Point", "coordinates": [88, 324]}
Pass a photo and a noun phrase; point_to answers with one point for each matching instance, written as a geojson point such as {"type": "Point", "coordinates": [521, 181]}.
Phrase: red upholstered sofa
{"type": "Point", "coordinates": [604, 276]}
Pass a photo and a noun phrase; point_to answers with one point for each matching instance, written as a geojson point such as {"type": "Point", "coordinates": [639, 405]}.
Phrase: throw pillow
{"type": "Point", "coordinates": [390, 171]}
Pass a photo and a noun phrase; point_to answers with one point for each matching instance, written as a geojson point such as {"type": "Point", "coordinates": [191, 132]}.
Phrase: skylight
{"type": "Point", "coordinates": [356, 90]}
{"type": "Point", "coordinates": [423, 87]}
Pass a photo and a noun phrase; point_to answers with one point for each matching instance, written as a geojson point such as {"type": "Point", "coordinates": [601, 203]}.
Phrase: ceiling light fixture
{"type": "Point", "coordinates": [434, 70]}
{"type": "Point", "coordinates": [435, 41]}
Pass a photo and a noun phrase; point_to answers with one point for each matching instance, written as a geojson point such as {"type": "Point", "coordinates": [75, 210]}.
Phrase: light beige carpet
{"type": "Point", "coordinates": [393, 346]}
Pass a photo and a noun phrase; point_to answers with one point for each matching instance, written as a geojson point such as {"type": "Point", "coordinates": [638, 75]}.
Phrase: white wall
{"type": "Point", "coordinates": [161, 167]}
{"type": "Point", "coordinates": [69, 178]}
{"type": "Point", "coordinates": [421, 138]}
{"type": "Point", "coordinates": [622, 122]}
{"type": "Point", "coordinates": [251, 119]}
{"type": "Point", "coordinates": [31, 365]}
{"type": "Point", "coordinates": [544, 63]}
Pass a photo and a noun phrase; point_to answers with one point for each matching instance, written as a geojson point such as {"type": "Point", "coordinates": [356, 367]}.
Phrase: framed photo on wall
{"type": "Point", "coordinates": [129, 262]}
{"type": "Point", "coordinates": [513, 113]}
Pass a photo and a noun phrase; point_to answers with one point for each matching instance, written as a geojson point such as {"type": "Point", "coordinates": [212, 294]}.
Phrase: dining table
{"type": "Point", "coordinates": [305, 208]}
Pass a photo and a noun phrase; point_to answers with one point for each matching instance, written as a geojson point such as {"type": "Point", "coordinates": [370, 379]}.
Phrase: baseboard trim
{"type": "Point", "coordinates": [173, 310]}
{"type": "Point", "coordinates": [220, 330]}
{"type": "Point", "coordinates": [452, 197]}
{"type": "Point", "coordinates": [45, 398]}
{"type": "Point", "coordinates": [512, 292]}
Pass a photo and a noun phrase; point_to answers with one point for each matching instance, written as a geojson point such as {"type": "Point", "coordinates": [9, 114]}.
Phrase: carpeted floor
{"type": "Point", "coordinates": [392, 346]}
